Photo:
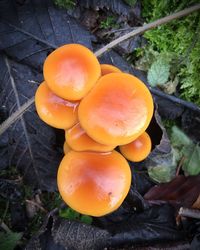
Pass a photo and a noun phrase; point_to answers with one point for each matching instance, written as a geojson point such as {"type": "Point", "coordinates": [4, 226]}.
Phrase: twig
{"type": "Point", "coordinates": [189, 212]}
{"type": "Point", "coordinates": [147, 27]}
{"type": "Point", "coordinates": [6, 124]}
{"type": "Point", "coordinates": [16, 115]}
{"type": "Point", "coordinates": [172, 98]}
{"type": "Point", "coordinates": [37, 205]}
{"type": "Point", "coordinates": [180, 165]}
{"type": "Point", "coordinates": [5, 212]}
{"type": "Point", "coordinates": [5, 227]}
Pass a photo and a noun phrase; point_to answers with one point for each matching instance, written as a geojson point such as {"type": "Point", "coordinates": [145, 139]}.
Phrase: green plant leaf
{"type": "Point", "coordinates": [69, 213]}
{"type": "Point", "coordinates": [178, 138]}
{"type": "Point", "coordinates": [191, 164]}
{"type": "Point", "coordinates": [8, 241]}
{"type": "Point", "coordinates": [158, 73]}
{"type": "Point", "coordinates": [162, 173]}
{"type": "Point", "coordinates": [86, 219]}
{"type": "Point", "coordinates": [130, 2]}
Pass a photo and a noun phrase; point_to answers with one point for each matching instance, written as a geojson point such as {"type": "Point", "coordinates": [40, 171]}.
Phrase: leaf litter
{"type": "Point", "coordinates": [34, 149]}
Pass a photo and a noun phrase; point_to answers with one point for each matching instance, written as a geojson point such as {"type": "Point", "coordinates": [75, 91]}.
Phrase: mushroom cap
{"type": "Point", "coordinates": [138, 149]}
{"type": "Point", "coordinates": [94, 183]}
{"type": "Point", "coordinates": [53, 110]}
{"type": "Point", "coordinates": [66, 148]}
{"type": "Point", "coordinates": [78, 140]}
{"type": "Point", "coordinates": [71, 71]}
{"type": "Point", "coordinates": [117, 110]}
{"type": "Point", "coordinates": [108, 68]}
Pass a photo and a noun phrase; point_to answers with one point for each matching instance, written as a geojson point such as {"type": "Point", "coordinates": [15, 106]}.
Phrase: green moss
{"type": "Point", "coordinates": [180, 39]}
{"type": "Point", "coordinates": [66, 4]}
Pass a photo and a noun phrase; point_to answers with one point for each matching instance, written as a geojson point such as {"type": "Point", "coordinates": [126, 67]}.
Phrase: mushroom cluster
{"type": "Point", "coordinates": [100, 108]}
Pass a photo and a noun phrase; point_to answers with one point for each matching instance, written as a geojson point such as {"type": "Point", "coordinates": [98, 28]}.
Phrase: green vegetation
{"type": "Point", "coordinates": [186, 151]}
{"type": "Point", "coordinates": [179, 41]}
{"type": "Point", "coordinates": [130, 2]}
{"type": "Point", "coordinates": [109, 22]}
{"type": "Point", "coordinates": [9, 240]}
{"type": "Point", "coordinates": [69, 213]}
{"type": "Point", "coordinates": [67, 4]}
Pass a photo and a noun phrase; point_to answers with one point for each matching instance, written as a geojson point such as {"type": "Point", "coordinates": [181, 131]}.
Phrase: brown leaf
{"type": "Point", "coordinates": [182, 191]}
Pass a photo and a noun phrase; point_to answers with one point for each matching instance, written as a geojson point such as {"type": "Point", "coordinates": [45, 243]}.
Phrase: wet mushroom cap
{"type": "Point", "coordinates": [66, 148]}
{"type": "Point", "coordinates": [137, 150]}
{"type": "Point", "coordinates": [108, 68]}
{"type": "Point", "coordinates": [78, 140]}
{"type": "Point", "coordinates": [117, 110]}
{"type": "Point", "coordinates": [71, 71]}
{"type": "Point", "coordinates": [94, 183]}
{"type": "Point", "coordinates": [53, 110]}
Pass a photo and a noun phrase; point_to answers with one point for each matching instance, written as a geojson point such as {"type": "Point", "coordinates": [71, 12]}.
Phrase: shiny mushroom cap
{"type": "Point", "coordinates": [117, 110]}
{"type": "Point", "coordinates": [138, 149]}
{"type": "Point", "coordinates": [71, 71]}
{"type": "Point", "coordinates": [94, 183]}
{"type": "Point", "coordinates": [78, 140]}
{"type": "Point", "coordinates": [53, 110]}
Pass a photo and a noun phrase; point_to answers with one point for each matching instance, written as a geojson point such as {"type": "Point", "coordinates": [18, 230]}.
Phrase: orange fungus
{"type": "Point", "coordinates": [137, 150]}
{"type": "Point", "coordinates": [66, 148]}
{"type": "Point", "coordinates": [71, 71]}
{"type": "Point", "coordinates": [94, 183]}
{"type": "Point", "coordinates": [78, 140]}
{"type": "Point", "coordinates": [117, 110]}
{"type": "Point", "coordinates": [53, 110]}
{"type": "Point", "coordinates": [108, 68]}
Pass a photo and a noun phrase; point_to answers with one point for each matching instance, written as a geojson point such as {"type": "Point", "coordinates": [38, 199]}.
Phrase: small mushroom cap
{"type": "Point", "coordinates": [94, 183]}
{"type": "Point", "coordinates": [66, 148]}
{"type": "Point", "coordinates": [53, 110]}
{"type": "Point", "coordinates": [71, 71]}
{"type": "Point", "coordinates": [78, 140]}
{"type": "Point", "coordinates": [137, 150]}
{"type": "Point", "coordinates": [108, 68]}
{"type": "Point", "coordinates": [117, 110]}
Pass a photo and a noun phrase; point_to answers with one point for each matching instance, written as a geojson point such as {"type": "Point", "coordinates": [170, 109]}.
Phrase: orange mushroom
{"type": "Point", "coordinates": [71, 71]}
{"type": "Point", "coordinates": [117, 110]}
{"type": "Point", "coordinates": [137, 150]}
{"type": "Point", "coordinates": [94, 183]}
{"type": "Point", "coordinates": [53, 110]}
{"type": "Point", "coordinates": [66, 148]}
{"type": "Point", "coordinates": [78, 140]}
{"type": "Point", "coordinates": [108, 68]}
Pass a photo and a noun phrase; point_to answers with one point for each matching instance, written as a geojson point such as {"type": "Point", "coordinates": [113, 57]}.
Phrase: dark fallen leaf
{"type": "Point", "coordinates": [191, 124]}
{"type": "Point", "coordinates": [19, 220]}
{"type": "Point", "coordinates": [128, 46]}
{"type": "Point", "coordinates": [161, 163]}
{"type": "Point", "coordinates": [156, 224]}
{"type": "Point", "coordinates": [31, 144]}
{"type": "Point", "coordinates": [10, 191]}
{"type": "Point", "coordinates": [42, 20]}
{"type": "Point", "coordinates": [181, 191]}
{"type": "Point", "coordinates": [114, 58]}
{"type": "Point", "coordinates": [168, 109]}
{"type": "Point", "coordinates": [118, 7]}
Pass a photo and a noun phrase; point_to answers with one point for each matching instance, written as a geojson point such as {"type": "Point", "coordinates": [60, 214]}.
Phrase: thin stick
{"type": "Point", "coordinates": [172, 98]}
{"type": "Point", "coordinates": [5, 227]}
{"type": "Point", "coordinates": [146, 27]}
{"type": "Point", "coordinates": [37, 205]}
{"type": "Point", "coordinates": [16, 115]}
{"type": "Point", "coordinates": [189, 212]}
